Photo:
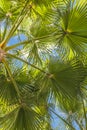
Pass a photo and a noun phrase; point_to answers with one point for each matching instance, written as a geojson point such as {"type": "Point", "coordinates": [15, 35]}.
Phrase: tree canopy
{"type": "Point", "coordinates": [43, 64]}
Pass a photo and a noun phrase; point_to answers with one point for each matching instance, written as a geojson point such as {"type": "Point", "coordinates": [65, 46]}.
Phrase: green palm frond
{"type": "Point", "coordinates": [8, 10]}
{"type": "Point", "coordinates": [70, 32]}
{"type": "Point", "coordinates": [70, 105]}
{"type": "Point", "coordinates": [28, 91]}
{"type": "Point", "coordinates": [67, 76]}
{"type": "Point", "coordinates": [7, 92]}
{"type": "Point", "coordinates": [20, 118]}
{"type": "Point", "coordinates": [34, 54]}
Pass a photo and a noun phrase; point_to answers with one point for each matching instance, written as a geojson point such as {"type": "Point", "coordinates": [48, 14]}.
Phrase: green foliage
{"type": "Point", "coordinates": [68, 75]}
{"type": "Point", "coordinates": [48, 66]}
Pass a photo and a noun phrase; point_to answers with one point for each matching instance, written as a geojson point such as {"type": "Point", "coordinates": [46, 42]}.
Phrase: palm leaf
{"type": "Point", "coordinates": [68, 76]}
{"type": "Point", "coordinates": [22, 118]}
{"type": "Point", "coordinates": [70, 27]}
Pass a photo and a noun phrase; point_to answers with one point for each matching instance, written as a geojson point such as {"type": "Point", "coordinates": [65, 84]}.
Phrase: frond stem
{"type": "Point", "coordinates": [11, 77]}
{"type": "Point", "coordinates": [32, 65]}
{"type": "Point", "coordinates": [62, 119]}
{"type": "Point", "coordinates": [16, 24]}
{"type": "Point", "coordinates": [26, 42]}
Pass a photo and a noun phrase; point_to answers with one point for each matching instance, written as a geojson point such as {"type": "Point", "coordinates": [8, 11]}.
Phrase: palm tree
{"type": "Point", "coordinates": [46, 65]}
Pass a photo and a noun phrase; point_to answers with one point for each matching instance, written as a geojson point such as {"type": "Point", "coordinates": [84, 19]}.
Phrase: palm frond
{"type": "Point", "coordinates": [69, 75]}
{"type": "Point", "coordinates": [70, 30]}
{"type": "Point", "coordinates": [19, 118]}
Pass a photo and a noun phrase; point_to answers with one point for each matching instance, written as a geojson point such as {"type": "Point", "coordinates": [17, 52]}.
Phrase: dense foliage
{"type": "Point", "coordinates": [43, 64]}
